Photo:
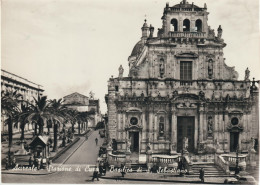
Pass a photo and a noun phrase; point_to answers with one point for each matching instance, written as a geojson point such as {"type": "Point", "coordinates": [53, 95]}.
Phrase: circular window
{"type": "Point", "coordinates": [133, 121]}
{"type": "Point", "coordinates": [234, 121]}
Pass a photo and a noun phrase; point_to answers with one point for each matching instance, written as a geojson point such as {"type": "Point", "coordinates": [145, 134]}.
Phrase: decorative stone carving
{"type": "Point", "coordinates": [220, 31]}
{"type": "Point", "coordinates": [121, 71]}
{"type": "Point", "coordinates": [213, 96]}
{"type": "Point", "coordinates": [211, 32]}
{"type": "Point", "coordinates": [210, 126]}
{"type": "Point", "coordinates": [91, 95]}
{"type": "Point", "coordinates": [210, 69]}
{"type": "Point", "coordinates": [247, 74]}
{"type": "Point", "coordinates": [217, 147]}
{"type": "Point", "coordinates": [185, 144]}
{"type": "Point", "coordinates": [252, 147]}
{"type": "Point", "coordinates": [128, 145]}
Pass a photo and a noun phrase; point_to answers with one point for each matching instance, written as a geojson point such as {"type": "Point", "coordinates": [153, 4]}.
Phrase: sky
{"type": "Point", "coordinates": [76, 45]}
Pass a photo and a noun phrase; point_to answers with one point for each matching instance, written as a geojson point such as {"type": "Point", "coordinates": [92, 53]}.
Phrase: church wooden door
{"type": "Point", "coordinates": [185, 128]}
{"type": "Point", "coordinates": [234, 136]}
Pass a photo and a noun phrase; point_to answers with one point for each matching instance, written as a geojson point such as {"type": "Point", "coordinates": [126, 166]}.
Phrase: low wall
{"type": "Point", "coordinates": [65, 149]}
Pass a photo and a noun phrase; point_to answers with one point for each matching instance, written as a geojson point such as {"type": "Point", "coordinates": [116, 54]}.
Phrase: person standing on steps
{"type": "Point", "coordinates": [202, 174]}
{"type": "Point", "coordinates": [96, 141]}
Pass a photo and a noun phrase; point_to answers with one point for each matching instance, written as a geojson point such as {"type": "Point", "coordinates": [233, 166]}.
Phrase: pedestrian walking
{"type": "Point", "coordinates": [95, 175]}
{"type": "Point", "coordinates": [30, 161]}
{"type": "Point", "coordinates": [38, 164]}
{"type": "Point", "coordinates": [35, 162]}
{"type": "Point", "coordinates": [96, 141]}
{"type": "Point", "coordinates": [123, 170]}
{"type": "Point", "coordinates": [202, 172]}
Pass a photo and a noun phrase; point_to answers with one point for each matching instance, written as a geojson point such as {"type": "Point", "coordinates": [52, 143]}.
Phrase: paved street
{"type": "Point", "coordinates": [87, 153]}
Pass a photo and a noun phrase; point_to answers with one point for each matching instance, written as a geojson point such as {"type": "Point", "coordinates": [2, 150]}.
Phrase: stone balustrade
{"type": "Point", "coordinates": [164, 159]}
{"type": "Point", "coordinates": [177, 34]}
{"type": "Point", "coordinates": [225, 161]}
{"type": "Point", "coordinates": [220, 161]}
{"type": "Point", "coordinates": [116, 160]}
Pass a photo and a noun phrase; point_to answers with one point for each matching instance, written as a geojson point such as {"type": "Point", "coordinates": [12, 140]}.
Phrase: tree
{"type": "Point", "coordinates": [22, 118]}
{"type": "Point", "coordinates": [40, 113]}
{"type": "Point", "coordinates": [59, 113]}
{"type": "Point", "coordinates": [83, 117]}
{"type": "Point", "coordinates": [9, 108]}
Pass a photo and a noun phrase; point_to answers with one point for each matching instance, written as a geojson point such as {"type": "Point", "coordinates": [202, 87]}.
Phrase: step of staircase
{"type": "Point", "coordinates": [211, 170]}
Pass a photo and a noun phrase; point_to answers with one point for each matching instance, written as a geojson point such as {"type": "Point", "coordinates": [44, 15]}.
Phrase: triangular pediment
{"type": "Point", "coordinates": [74, 95]}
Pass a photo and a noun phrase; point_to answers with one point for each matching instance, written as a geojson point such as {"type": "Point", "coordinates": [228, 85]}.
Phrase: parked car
{"type": "Point", "coordinates": [241, 180]}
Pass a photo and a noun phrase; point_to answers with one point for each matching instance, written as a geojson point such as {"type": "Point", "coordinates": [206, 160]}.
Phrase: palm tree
{"type": "Point", "coordinates": [40, 113]}
{"type": "Point", "coordinates": [59, 112]}
{"type": "Point", "coordinates": [83, 117]}
{"type": "Point", "coordinates": [22, 118]}
{"type": "Point", "coordinates": [9, 108]}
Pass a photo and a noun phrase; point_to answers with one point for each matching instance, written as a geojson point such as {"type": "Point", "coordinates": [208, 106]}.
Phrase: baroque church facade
{"type": "Point", "coordinates": [180, 88]}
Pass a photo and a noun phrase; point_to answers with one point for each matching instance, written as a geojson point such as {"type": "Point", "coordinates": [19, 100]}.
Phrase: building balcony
{"type": "Point", "coordinates": [185, 83]}
{"type": "Point", "coordinates": [176, 34]}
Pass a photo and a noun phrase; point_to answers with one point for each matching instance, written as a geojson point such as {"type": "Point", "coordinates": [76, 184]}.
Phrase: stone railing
{"type": "Point", "coordinates": [116, 160]}
{"type": "Point", "coordinates": [164, 159]}
{"type": "Point", "coordinates": [231, 159]}
{"type": "Point", "coordinates": [188, 164]}
{"type": "Point", "coordinates": [186, 83]}
{"type": "Point", "coordinates": [220, 161]}
{"type": "Point", "coordinates": [176, 34]}
{"type": "Point", "coordinates": [225, 161]}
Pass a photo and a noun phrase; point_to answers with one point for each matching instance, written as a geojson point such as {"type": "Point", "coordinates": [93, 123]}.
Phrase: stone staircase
{"type": "Point", "coordinates": [210, 169]}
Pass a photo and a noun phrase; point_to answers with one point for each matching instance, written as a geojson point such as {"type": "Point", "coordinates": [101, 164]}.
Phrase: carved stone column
{"type": "Point", "coordinates": [174, 131]}
{"type": "Point", "coordinates": [227, 134]}
{"type": "Point", "coordinates": [201, 125]}
{"type": "Point", "coordinates": [144, 127]}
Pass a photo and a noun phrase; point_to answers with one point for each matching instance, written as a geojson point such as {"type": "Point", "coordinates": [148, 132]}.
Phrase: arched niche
{"type": "Point", "coordinates": [186, 25]}
{"type": "Point", "coordinates": [174, 25]}
{"type": "Point", "coordinates": [198, 25]}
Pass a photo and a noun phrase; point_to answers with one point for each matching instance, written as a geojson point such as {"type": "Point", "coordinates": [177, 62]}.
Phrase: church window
{"type": "Point", "coordinates": [186, 25]}
{"type": "Point", "coordinates": [198, 25]}
{"type": "Point", "coordinates": [161, 67]}
{"type": "Point", "coordinates": [186, 70]}
{"type": "Point", "coordinates": [210, 69]}
{"type": "Point", "coordinates": [161, 126]}
{"type": "Point", "coordinates": [116, 87]}
{"type": "Point", "coordinates": [234, 121]}
{"type": "Point", "coordinates": [174, 25]}
{"type": "Point", "coordinates": [133, 121]}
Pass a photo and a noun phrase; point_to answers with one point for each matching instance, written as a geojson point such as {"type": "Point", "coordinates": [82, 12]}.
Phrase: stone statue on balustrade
{"type": "Point", "coordinates": [247, 74]}
{"type": "Point", "coordinates": [121, 71]}
{"type": "Point", "coordinates": [173, 148]}
{"type": "Point", "coordinates": [149, 146]}
{"type": "Point", "coordinates": [110, 144]}
{"type": "Point", "coordinates": [252, 147]}
{"type": "Point", "coordinates": [128, 145]}
{"type": "Point", "coordinates": [185, 144]}
{"type": "Point", "coordinates": [217, 147]}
